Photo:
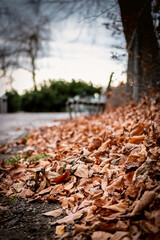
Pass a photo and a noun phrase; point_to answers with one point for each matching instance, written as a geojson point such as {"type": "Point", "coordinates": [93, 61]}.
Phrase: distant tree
{"type": "Point", "coordinates": [23, 29]}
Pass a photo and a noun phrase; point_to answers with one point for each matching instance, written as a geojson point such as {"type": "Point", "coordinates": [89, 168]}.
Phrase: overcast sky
{"type": "Point", "coordinates": [79, 50]}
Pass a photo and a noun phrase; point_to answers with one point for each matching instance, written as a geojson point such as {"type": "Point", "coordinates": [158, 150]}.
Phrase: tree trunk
{"type": "Point", "coordinates": [137, 87]}
{"type": "Point", "coordinates": [143, 50]}
{"type": "Point", "coordinates": [33, 72]}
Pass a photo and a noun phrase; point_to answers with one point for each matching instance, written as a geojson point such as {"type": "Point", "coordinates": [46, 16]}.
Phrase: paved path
{"type": "Point", "coordinates": [16, 125]}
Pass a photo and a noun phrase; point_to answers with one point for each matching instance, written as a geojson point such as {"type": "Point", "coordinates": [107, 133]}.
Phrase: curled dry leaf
{"type": "Point", "coordinates": [42, 185]}
{"type": "Point", "coordinates": [103, 226]}
{"type": "Point", "coordinates": [145, 200]}
{"type": "Point", "coordinates": [97, 142]}
{"type": "Point", "coordinates": [62, 178]}
{"type": "Point", "coordinates": [80, 228]}
{"type": "Point", "coordinates": [120, 207]}
{"type": "Point", "coordinates": [69, 185]}
{"type": "Point", "coordinates": [137, 139]}
{"type": "Point", "coordinates": [103, 147]}
{"type": "Point", "coordinates": [138, 129]}
{"type": "Point", "coordinates": [104, 182]}
{"type": "Point", "coordinates": [44, 191]}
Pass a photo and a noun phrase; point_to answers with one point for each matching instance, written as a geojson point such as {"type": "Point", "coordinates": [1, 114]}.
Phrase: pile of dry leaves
{"type": "Point", "coordinates": [103, 170]}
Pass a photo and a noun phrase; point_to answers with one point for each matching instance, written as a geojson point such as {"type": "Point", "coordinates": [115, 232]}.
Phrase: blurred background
{"type": "Point", "coordinates": [43, 40]}
{"type": "Point", "coordinates": [53, 50]}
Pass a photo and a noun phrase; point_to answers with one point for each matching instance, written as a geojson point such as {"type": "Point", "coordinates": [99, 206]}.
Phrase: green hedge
{"type": "Point", "coordinates": [51, 97]}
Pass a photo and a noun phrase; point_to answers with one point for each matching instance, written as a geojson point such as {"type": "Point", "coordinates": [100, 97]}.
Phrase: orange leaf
{"type": "Point", "coordinates": [60, 229]}
{"type": "Point", "coordinates": [136, 139]}
{"type": "Point", "coordinates": [62, 177]}
{"type": "Point", "coordinates": [138, 129]}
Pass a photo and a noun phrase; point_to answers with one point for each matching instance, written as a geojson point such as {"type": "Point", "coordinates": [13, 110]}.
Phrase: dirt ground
{"type": "Point", "coordinates": [20, 220]}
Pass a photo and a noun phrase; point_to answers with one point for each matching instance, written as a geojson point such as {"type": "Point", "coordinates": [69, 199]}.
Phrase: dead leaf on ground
{"type": "Point", "coordinates": [25, 193]}
{"type": "Point", "coordinates": [54, 213]}
{"type": "Point", "coordinates": [144, 201]}
{"type": "Point", "coordinates": [104, 145]}
{"type": "Point", "coordinates": [100, 235]}
{"type": "Point", "coordinates": [69, 219]}
{"type": "Point", "coordinates": [60, 229]}
{"type": "Point", "coordinates": [62, 178]}
{"type": "Point", "coordinates": [80, 228]}
{"type": "Point", "coordinates": [137, 139]}
{"type": "Point", "coordinates": [82, 171]}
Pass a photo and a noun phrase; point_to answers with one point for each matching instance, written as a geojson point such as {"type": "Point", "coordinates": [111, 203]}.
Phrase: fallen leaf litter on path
{"type": "Point", "coordinates": [103, 170]}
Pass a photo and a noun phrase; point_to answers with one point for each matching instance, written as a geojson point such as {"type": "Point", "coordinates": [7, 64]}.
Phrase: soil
{"type": "Point", "coordinates": [21, 220]}
{"type": "Point", "coordinates": [24, 220]}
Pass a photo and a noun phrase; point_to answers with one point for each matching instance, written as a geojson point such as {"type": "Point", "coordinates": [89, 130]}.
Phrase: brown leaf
{"type": "Point", "coordinates": [100, 235]}
{"type": "Point", "coordinates": [62, 178]}
{"type": "Point", "coordinates": [42, 185]}
{"type": "Point", "coordinates": [80, 228]}
{"type": "Point", "coordinates": [138, 129]}
{"type": "Point", "coordinates": [69, 185]}
{"type": "Point", "coordinates": [44, 191]}
{"type": "Point", "coordinates": [120, 207]}
{"type": "Point", "coordinates": [54, 213]}
{"type": "Point", "coordinates": [102, 226]}
{"type": "Point", "coordinates": [60, 229]}
{"type": "Point", "coordinates": [145, 200]}
{"type": "Point", "coordinates": [18, 187]}
{"type": "Point", "coordinates": [82, 171]}
{"type": "Point", "coordinates": [104, 182]}
{"type": "Point", "coordinates": [117, 184]}
{"type": "Point", "coordinates": [70, 218]}
{"type": "Point", "coordinates": [97, 142]}
{"type": "Point", "coordinates": [137, 139]}
{"type": "Point", "coordinates": [148, 227]}
{"type": "Point", "coordinates": [25, 193]}
{"type": "Point", "coordinates": [119, 235]}
{"type": "Point", "coordinates": [103, 147]}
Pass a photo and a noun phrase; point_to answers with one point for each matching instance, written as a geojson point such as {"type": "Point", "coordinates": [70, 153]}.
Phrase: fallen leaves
{"type": "Point", "coordinates": [137, 139]}
{"type": "Point", "coordinates": [143, 202]}
{"type": "Point", "coordinates": [101, 235]}
{"type": "Point", "coordinates": [54, 213]}
{"type": "Point", "coordinates": [69, 219]}
{"type": "Point", "coordinates": [60, 229]}
{"type": "Point", "coordinates": [82, 171]}
{"type": "Point", "coordinates": [61, 178]}
{"type": "Point", "coordinates": [103, 170]}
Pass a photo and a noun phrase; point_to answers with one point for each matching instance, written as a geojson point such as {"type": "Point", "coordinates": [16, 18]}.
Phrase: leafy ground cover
{"type": "Point", "coordinates": [88, 178]}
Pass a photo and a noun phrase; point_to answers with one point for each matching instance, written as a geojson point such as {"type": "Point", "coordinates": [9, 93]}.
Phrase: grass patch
{"type": "Point", "coordinates": [14, 159]}
{"type": "Point", "coordinates": [36, 158]}
{"type": "Point", "coordinates": [31, 159]}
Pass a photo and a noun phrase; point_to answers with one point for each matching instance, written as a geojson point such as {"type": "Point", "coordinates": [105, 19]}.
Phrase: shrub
{"type": "Point", "coordinates": [14, 101]}
{"type": "Point", "coordinates": [51, 97]}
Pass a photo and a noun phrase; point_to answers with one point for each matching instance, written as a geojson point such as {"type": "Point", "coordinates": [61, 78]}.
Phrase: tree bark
{"type": "Point", "coordinates": [142, 44]}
